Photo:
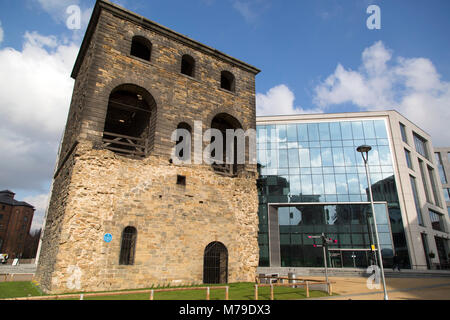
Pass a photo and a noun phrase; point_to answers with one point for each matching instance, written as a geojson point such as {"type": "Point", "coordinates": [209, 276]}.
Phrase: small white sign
{"type": "Point", "coordinates": [15, 262]}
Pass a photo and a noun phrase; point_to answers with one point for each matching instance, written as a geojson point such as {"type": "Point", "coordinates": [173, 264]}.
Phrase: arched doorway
{"type": "Point", "coordinates": [215, 263]}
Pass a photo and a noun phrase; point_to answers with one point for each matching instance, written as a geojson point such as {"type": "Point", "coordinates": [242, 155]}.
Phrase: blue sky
{"type": "Point", "coordinates": [315, 56]}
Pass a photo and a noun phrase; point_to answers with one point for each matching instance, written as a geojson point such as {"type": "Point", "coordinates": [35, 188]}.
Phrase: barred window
{"type": "Point", "coordinates": [128, 247]}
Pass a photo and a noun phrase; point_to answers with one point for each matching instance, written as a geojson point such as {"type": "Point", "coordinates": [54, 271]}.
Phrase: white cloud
{"type": "Point", "coordinates": [1, 33]}
{"type": "Point", "coordinates": [279, 100]}
{"type": "Point", "coordinates": [412, 86]}
{"type": "Point", "coordinates": [35, 91]}
{"type": "Point", "coordinates": [250, 9]}
{"type": "Point", "coordinates": [57, 8]}
{"type": "Point", "coordinates": [40, 204]}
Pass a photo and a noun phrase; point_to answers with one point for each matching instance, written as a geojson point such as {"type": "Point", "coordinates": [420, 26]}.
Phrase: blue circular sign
{"type": "Point", "coordinates": [108, 237]}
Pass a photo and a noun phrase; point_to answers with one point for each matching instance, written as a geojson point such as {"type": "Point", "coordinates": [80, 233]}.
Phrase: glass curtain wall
{"type": "Point", "coordinates": [349, 224]}
{"type": "Point", "coordinates": [318, 162]}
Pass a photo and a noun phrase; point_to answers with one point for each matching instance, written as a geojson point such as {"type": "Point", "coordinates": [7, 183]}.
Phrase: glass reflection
{"type": "Point", "coordinates": [318, 162]}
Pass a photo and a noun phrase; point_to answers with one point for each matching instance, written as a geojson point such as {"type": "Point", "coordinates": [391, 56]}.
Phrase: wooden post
{"type": "Point", "coordinates": [207, 293]}
{"type": "Point", "coordinates": [152, 293]}
{"type": "Point", "coordinates": [307, 289]}
{"type": "Point", "coordinates": [271, 291]}
{"type": "Point", "coordinates": [330, 290]}
{"type": "Point", "coordinates": [226, 293]}
{"type": "Point", "coordinates": [256, 292]}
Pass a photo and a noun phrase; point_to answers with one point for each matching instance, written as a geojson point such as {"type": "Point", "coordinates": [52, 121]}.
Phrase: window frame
{"type": "Point", "coordinates": [128, 246]}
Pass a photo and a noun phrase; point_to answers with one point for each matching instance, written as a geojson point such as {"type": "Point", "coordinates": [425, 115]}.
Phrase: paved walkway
{"type": "Point", "coordinates": [398, 289]}
{"type": "Point", "coordinates": [21, 268]}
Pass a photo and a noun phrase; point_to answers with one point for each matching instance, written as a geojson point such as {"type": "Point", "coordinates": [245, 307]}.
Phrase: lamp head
{"type": "Point", "coordinates": [364, 150]}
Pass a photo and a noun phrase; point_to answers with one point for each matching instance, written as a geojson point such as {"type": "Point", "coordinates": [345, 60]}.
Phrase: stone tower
{"type": "Point", "coordinates": [122, 214]}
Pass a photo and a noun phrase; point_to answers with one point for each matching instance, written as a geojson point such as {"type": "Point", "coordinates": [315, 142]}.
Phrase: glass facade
{"type": "Point", "coordinates": [416, 200]}
{"type": "Point", "coordinates": [403, 132]}
{"type": "Point", "coordinates": [317, 165]}
{"type": "Point", "coordinates": [434, 187]}
{"type": "Point", "coordinates": [437, 221]}
{"type": "Point", "coordinates": [440, 166]}
{"type": "Point", "coordinates": [447, 194]}
{"type": "Point", "coordinates": [349, 224]}
{"type": "Point", "coordinates": [424, 181]}
{"type": "Point", "coordinates": [421, 146]}
{"type": "Point", "coordinates": [408, 159]}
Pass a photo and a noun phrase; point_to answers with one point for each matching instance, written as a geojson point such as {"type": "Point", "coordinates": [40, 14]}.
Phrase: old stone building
{"type": "Point", "coordinates": [122, 214]}
{"type": "Point", "coordinates": [15, 223]}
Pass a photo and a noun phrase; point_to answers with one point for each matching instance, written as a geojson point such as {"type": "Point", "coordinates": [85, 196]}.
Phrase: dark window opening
{"type": "Point", "coordinates": [188, 65]}
{"type": "Point", "coordinates": [215, 263]}
{"type": "Point", "coordinates": [222, 122]}
{"type": "Point", "coordinates": [227, 81]}
{"type": "Point", "coordinates": [127, 130]}
{"type": "Point", "coordinates": [141, 48]}
{"type": "Point", "coordinates": [128, 246]}
{"type": "Point", "coordinates": [181, 180]}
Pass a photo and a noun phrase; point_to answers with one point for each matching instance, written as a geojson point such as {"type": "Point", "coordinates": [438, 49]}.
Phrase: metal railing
{"type": "Point", "coordinates": [152, 292]}
{"type": "Point", "coordinates": [124, 144]}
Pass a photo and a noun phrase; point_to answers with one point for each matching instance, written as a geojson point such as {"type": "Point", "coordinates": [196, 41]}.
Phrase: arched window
{"type": "Point", "coordinates": [141, 48]}
{"type": "Point", "coordinates": [128, 129]}
{"type": "Point", "coordinates": [188, 65]}
{"type": "Point", "coordinates": [227, 81]}
{"type": "Point", "coordinates": [222, 122]}
{"type": "Point", "coordinates": [215, 263]}
{"type": "Point", "coordinates": [128, 246]}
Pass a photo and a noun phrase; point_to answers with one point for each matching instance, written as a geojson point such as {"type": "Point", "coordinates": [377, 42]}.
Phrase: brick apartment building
{"type": "Point", "coordinates": [15, 223]}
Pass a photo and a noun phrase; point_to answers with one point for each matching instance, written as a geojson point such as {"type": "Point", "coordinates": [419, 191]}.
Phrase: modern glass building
{"type": "Point", "coordinates": [313, 181]}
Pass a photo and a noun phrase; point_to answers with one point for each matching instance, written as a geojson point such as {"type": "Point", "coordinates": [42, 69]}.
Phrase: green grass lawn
{"type": "Point", "coordinates": [237, 291]}
{"type": "Point", "coordinates": [18, 289]}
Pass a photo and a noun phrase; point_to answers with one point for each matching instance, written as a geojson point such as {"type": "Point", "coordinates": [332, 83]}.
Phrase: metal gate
{"type": "Point", "coordinates": [215, 263]}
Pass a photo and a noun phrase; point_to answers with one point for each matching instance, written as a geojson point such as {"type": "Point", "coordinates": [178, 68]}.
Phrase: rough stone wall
{"type": "Point", "coordinates": [174, 223]}
{"type": "Point", "coordinates": [179, 98]}
{"type": "Point", "coordinates": [98, 191]}
{"type": "Point", "coordinates": [54, 223]}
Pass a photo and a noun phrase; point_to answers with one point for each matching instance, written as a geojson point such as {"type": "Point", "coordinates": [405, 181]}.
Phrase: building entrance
{"type": "Point", "coordinates": [350, 258]}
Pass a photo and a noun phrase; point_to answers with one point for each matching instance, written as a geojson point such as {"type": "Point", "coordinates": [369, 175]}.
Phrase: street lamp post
{"type": "Point", "coordinates": [364, 150]}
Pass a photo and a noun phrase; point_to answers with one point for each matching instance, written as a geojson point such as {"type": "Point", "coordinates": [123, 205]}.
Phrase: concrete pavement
{"type": "Point", "coordinates": [398, 289]}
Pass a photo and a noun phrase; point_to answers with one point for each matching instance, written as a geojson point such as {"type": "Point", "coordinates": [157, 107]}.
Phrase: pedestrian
{"type": "Point", "coordinates": [396, 262]}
